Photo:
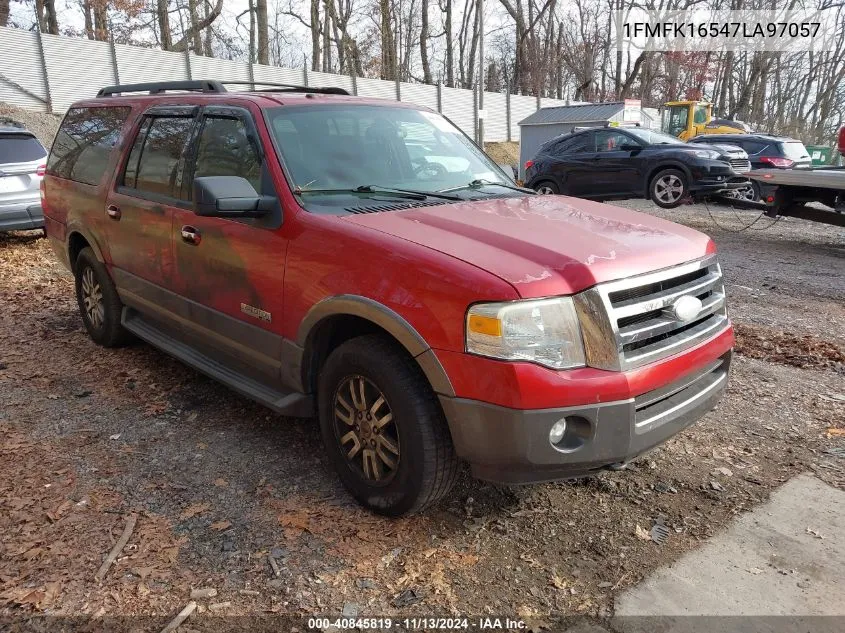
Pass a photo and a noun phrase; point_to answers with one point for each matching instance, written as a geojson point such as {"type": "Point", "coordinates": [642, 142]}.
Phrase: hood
{"type": "Point", "coordinates": [545, 245]}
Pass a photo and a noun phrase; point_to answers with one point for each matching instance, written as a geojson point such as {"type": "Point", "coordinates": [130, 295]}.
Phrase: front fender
{"type": "Point", "coordinates": [387, 319]}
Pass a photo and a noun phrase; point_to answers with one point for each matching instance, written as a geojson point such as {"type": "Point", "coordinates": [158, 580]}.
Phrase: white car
{"type": "Point", "coordinates": [23, 160]}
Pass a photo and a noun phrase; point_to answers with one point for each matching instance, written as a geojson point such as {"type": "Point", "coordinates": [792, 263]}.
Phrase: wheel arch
{"type": "Point", "coordinates": [662, 166]}
{"type": "Point", "coordinates": [337, 319]}
{"type": "Point", "coordinates": [77, 239]}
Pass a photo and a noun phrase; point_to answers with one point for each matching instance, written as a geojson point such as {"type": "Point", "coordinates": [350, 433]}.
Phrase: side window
{"type": "Point", "coordinates": [753, 147]}
{"type": "Point", "coordinates": [84, 142]}
{"type": "Point", "coordinates": [155, 162]}
{"type": "Point", "coordinates": [572, 145]}
{"type": "Point", "coordinates": [225, 150]}
{"type": "Point", "coordinates": [607, 141]}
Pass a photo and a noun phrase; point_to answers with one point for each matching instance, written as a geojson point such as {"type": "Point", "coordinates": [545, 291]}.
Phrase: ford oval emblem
{"type": "Point", "coordinates": [686, 308]}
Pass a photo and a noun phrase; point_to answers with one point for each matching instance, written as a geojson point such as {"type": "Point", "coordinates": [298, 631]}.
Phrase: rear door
{"type": "Point", "coordinates": [139, 209]}
{"type": "Point", "coordinates": [572, 165]}
{"type": "Point", "coordinates": [230, 271]}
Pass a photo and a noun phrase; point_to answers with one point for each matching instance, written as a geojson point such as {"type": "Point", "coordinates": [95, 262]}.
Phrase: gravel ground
{"type": "Point", "coordinates": [230, 496]}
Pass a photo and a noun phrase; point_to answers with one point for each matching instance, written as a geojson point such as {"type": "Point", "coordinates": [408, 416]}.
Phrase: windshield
{"type": "Point", "coordinates": [346, 146]}
{"type": "Point", "coordinates": [651, 137]}
{"type": "Point", "coordinates": [675, 119]}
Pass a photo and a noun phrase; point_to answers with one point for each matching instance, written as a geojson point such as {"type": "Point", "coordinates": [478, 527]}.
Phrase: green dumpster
{"type": "Point", "coordinates": [820, 154]}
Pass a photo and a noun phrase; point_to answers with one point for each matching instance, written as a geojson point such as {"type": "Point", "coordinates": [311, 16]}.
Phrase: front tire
{"type": "Point", "coordinates": [383, 429]}
{"type": "Point", "coordinates": [668, 188]}
{"type": "Point", "coordinates": [99, 303]}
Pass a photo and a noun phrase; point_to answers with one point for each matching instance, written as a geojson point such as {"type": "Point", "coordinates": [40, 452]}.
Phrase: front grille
{"type": "Point", "coordinates": [740, 165]}
{"type": "Point", "coordinates": [639, 311]}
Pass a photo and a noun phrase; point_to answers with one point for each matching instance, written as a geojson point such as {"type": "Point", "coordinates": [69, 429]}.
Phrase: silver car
{"type": "Point", "coordinates": [23, 160]}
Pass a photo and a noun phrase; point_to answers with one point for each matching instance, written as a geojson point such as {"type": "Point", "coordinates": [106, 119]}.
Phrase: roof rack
{"type": "Point", "coordinates": [275, 87]}
{"type": "Point", "coordinates": [157, 87]}
{"type": "Point", "coordinates": [213, 86]}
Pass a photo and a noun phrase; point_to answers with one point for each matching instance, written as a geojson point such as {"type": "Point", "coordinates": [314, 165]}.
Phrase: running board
{"type": "Point", "coordinates": [285, 402]}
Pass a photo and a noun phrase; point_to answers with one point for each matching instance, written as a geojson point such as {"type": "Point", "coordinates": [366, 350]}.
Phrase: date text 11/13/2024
{"type": "Point", "coordinates": [487, 623]}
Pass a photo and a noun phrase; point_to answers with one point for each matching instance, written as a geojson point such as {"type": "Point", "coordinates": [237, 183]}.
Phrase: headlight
{"type": "Point", "coordinates": [707, 153]}
{"type": "Point", "coordinates": [542, 331]}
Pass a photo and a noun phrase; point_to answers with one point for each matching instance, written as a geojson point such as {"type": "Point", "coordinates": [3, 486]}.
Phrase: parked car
{"type": "Point", "coordinates": [285, 243]}
{"type": "Point", "coordinates": [607, 163]}
{"type": "Point", "coordinates": [22, 163]}
{"type": "Point", "coordinates": [765, 152]}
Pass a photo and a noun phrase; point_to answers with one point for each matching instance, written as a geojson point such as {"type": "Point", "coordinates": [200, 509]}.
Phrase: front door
{"type": "Point", "coordinates": [618, 172]}
{"type": "Point", "coordinates": [140, 207]}
{"type": "Point", "coordinates": [231, 270]}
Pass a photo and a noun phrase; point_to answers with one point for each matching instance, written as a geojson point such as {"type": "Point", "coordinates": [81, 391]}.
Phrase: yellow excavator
{"type": "Point", "coordinates": [686, 119]}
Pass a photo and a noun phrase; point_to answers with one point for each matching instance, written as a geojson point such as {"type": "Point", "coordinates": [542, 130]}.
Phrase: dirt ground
{"type": "Point", "coordinates": [232, 497]}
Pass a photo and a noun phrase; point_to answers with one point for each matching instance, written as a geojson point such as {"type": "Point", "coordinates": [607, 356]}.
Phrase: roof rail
{"type": "Point", "coordinates": [157, 87]}
{"type": "Point", "coordinates": [274, 87]}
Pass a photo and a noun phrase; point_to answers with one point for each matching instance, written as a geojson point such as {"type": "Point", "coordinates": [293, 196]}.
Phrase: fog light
{"type": "Point", "coordinates": [557, 432]}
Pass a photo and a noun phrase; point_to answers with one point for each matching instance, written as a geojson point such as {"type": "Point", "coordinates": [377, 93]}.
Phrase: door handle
{"type": "Point", "coordinates": [113, 212]}
{"type": "Point", "coordinates": [191, 235]}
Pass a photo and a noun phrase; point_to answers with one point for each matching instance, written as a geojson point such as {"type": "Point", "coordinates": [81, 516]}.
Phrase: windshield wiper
{"type": "Point", "coordinates": [410, 194]}
{"type": "Point", "coordinates": [481, 182]}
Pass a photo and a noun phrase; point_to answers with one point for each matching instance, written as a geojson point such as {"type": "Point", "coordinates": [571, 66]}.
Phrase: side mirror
{"type": "Point", "coordinates": [630, 147]}
{"type": "Point", "coordinates": [229, 197]}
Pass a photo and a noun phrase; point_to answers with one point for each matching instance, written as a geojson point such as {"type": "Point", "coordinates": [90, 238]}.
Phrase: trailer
{"type": "Point", "coordinates": [788, 192]}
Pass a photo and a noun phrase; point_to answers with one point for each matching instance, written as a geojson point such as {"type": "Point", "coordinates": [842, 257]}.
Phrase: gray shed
{"type": "Point", "coordinates": [547, 123]}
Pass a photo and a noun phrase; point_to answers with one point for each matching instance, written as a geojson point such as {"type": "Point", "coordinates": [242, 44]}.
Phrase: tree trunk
{"type": "Point", "coordinates": [209, 51]}
{"type": "Point", "coordinates": [327, 42]}
{"type": "Point", "coordinates": [426, 66]}
{"type": "Point", "coordinates": [315, 35]}
{"type": "Point", "coordinates": [251, 8]}
{"type": "Point", "coordinates": [450, 47]}
{"type": "Point", "coordinates": [263, 54]}
{"type": "Point", "coordinates": [388, 42]}
{"type": "Point", "coordinates": [196, 40]}
{"type": "Point", "coordinates": [4, 12]}
{"type": "Point", "coordinates": [101, 22]}
{"type": "Point", "coordinates": [89, 21]}
{"type": "Point", "coordinates": [163, 17]}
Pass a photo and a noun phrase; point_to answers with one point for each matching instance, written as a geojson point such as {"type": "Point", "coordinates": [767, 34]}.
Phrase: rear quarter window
{"type": "Point", "coordinates": [795, 150]}
{"type": "Point", "coordinates": [20, 148]}
{"type": "Point", "coordinates": [84, 142]}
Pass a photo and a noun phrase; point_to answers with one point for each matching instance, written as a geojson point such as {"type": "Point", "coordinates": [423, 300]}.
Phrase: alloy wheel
{"type": "Point", "coordinates": [744, 193]}
{"type": "Point", "coordinates": [669, 188]}
{"type": "Point", "coordinates": [365, 428]}
{"type": "Point", "coordinates": [92, 298]}
{"type": "Point", "coordinates": [545, 190]}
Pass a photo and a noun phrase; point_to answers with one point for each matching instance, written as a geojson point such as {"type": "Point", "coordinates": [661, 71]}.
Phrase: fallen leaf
{"type": "Point", "coordinates": [220, 482]}
{"type": "Point", "coordinates": [833, 432]}
{"type": "Point", "coordinates": [194, 510]}
{"type": "Point", "coordinates": [558, 582]}
{"type": "Point", "coordinates": [814, 533]}
{"type": "Point", "coordinates": [642, 534]}
{"type": "Point", "coordinates": [221, 525]}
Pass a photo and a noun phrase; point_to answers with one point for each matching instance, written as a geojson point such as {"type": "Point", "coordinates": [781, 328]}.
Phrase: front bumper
{"type": "Point", "coordinates": [512, 446]}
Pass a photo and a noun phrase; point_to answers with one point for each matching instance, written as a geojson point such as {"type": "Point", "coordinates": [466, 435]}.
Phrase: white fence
{"type": "Point", "coordinates": [49, 72]}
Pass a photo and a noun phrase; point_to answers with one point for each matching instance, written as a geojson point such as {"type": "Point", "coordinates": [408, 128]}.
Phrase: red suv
{"type": "Point", "coordinates": [364, 261]}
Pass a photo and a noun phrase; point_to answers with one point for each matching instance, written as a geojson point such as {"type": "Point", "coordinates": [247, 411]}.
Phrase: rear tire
{"type": "Point", "coordinates": [391, 446]}
{"type": "Point", "coordinates": [99, 303]}
{"type": "Point", "coordinates": [546, 187]}
{"type": "Point", "coordinates": [668, 188]}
